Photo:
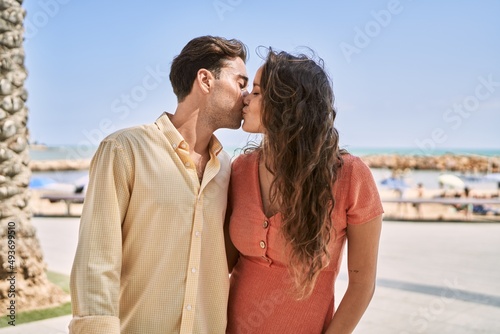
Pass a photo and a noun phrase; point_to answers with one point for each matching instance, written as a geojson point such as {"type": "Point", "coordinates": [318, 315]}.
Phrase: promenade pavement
{"type": "Point", "coordinates": [432, 278]}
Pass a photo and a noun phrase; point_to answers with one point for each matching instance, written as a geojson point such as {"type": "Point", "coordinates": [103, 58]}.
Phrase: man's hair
{"type": "Point", "coordinates": [208, 52]}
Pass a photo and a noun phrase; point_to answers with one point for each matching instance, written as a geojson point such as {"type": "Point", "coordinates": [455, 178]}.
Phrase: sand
{"type": "Point", "coordinates": [434, 211]}
{"type": "Point", "coordinates": [43, 207]}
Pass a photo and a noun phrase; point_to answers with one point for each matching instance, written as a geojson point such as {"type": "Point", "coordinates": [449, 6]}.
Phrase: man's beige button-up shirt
{"type": "Point", "coordinates": [151, 256]}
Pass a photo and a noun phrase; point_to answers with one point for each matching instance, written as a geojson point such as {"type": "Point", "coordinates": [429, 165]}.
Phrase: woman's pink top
{"type": "Point", "coordinates": [260, 297]}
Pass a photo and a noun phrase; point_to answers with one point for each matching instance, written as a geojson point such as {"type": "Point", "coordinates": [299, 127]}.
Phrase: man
{"type": "Point", "coordinates": [150, 256]}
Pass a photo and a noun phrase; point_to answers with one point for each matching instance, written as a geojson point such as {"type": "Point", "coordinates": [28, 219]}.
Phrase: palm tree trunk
{"type": "Point", "coordinates": [23, 282]}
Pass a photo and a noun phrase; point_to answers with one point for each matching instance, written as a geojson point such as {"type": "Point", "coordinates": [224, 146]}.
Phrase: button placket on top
{"type": "Point", "coordinates": [191, 292]}
{"type": "Point", "coordinates": [188, 312]}
{"type": "Point", "coordinates": [263, 241]}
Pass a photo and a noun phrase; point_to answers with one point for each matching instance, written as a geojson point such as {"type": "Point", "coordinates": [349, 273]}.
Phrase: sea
{"type": "Point", "coordinates": [429, 179]}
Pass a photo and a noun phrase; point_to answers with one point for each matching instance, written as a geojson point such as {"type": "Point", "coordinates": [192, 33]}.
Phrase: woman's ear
{"type": "Point", "coordinates": [204, 80]}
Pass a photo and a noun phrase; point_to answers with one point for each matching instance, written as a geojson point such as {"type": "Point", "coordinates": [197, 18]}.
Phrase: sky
{"type": "Point", "coordinates": [423, 75]}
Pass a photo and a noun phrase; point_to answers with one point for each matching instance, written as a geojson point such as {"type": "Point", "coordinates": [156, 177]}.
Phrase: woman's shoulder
{"type": "Point", "coordinates": [353, 167]}
{"type": "Point", "coordinates": [244, 171]}
{"type": "Point", "coordinates": [245, 159]}
{"type": "Point", "coordinates": [350, 161]}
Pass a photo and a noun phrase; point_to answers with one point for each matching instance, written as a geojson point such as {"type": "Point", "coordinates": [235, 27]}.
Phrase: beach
{"type": "Point", "coordinates": [63, 165]}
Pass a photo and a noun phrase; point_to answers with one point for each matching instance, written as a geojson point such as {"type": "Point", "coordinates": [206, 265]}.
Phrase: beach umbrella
{"type": "Point", "coordinates": [493, 177]}
{"type": "Point", "coordinates": [81, 184]}
{"type": "Point", "coordinates": [451, 180]}
{"type": "Point", "coordinates": [47, 184]}
{"type": "Point", "coordinates": [40, 182]}
{"type": "Point", "coordinates": [82, 181]}
{"type": "Point", "coordinates": [60, 187]}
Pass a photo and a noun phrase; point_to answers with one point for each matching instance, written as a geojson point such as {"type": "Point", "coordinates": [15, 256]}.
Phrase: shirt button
{"type": "Point", "coordinates": [183, 145]}
{"type": "Point", "coordinates": [193, 270]}
{"type": "Point", "coordinates": [265, 224]}
{"type": "Point", "coordinates": [262, 244]}
{"type": "Point", "coordinates": [174, 146]}
{"type": "Point", "coordinates": [187, 164]}
{"type": "Point", "coordinates": [188, 307]}
{"type": "Point", "coordinates": [197, 233]}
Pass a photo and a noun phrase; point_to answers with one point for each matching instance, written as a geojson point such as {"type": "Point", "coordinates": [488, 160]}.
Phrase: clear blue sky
{"type": "Point", "coordinates": [414, 74]}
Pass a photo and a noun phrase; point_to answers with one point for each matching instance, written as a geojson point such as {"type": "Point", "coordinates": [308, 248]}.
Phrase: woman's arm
{"type": "Point", "coordinates": [231, 251]}
{"type": "Point", "coordinates": [362, 252]}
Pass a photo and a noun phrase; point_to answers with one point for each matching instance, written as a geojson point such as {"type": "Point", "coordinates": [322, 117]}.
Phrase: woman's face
{"type": "Point", "coordinates": [253, 107]}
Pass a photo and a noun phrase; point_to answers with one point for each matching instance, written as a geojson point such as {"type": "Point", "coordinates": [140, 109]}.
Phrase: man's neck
{"type": "Point", "coordinates": [193, 129]}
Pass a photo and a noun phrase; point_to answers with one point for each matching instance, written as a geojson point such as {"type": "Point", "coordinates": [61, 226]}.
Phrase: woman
{"type": "Point", "coordinates": [294, 200]}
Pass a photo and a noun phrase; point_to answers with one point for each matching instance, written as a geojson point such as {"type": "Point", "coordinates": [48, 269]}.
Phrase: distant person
{"type": "Point", "coordinates": [151, 256]}
{"type": "Point", "coordinates": [294, 201]}
{"type": "Point", "coordinates": [420, 195]}
{"type": "Point", "coordinates": [468, 207]}
{"type": "Point", "coordinates": [400, 189]}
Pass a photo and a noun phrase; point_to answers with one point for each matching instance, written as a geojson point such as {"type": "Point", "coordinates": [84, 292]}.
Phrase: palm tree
{"type": "Point", "coordinates": [23, 281]}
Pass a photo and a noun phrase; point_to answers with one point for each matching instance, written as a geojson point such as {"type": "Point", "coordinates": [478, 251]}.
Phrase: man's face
{"type": "Point", "coordinates": [226, 102]}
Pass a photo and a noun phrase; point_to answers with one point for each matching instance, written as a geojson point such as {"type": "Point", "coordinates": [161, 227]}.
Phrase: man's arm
{"type": "Point", "coordinates": [95, 276]}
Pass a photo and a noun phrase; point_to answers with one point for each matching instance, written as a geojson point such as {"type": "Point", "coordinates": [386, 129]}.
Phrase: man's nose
{"type": "Point", "coordinates": [245, 94]}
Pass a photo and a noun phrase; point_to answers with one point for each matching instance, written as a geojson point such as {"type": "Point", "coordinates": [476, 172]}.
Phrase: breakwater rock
{"type": "Point", "coordinates": [448, 162]}
{"type": "Point", "coordinates": [58, 165]}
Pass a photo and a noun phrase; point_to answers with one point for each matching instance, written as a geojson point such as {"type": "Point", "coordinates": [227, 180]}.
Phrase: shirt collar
{"type": "Point", "coordinates": [175, 138]}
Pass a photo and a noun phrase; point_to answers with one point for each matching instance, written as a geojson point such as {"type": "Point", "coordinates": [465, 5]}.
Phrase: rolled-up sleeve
{"type": "Point", "coordinates": [95, 276]}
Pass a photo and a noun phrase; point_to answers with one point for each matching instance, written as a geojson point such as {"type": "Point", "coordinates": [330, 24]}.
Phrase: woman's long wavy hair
{"type": "Point", "coordinates": [300, 148]}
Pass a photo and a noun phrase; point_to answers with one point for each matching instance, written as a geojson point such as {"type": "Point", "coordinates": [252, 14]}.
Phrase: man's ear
{"type": "Point", "coordinates": [204, 79]}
